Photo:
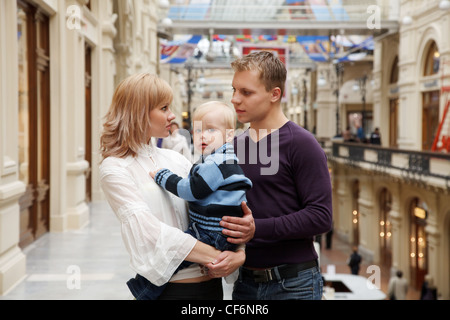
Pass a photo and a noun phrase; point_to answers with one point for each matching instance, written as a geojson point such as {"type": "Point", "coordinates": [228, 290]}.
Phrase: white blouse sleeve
{"type": "Point", "coordinates": [156, 249]}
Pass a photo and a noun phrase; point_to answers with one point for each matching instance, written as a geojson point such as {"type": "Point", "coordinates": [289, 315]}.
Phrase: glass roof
{"type": "Point", "coordinates": [305, 17]}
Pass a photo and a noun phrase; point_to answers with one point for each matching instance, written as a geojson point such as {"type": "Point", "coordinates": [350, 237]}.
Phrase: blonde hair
{"type": "Point", "coordinates": [127, 121]}
{"type": "Point", "coordinates": [228, 112]}
{"type": "Point", "coordinates": [272, 71]}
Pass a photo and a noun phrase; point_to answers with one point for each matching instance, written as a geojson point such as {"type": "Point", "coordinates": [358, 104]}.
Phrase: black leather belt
{"type": "Point", "coordinates": [277, 273]}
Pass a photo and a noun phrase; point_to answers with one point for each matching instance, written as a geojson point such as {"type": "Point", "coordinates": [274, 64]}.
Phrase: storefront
{"type": "Point", "coordinates": [418, 243]}
{"type": "Point", "coordinates": [385, 204]}
{"type": "Point", "coordinates": [34, 120]}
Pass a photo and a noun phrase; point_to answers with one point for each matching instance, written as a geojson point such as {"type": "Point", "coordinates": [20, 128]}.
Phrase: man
{"type": "Point", "coordinates": [291, 194]}
{"type": "Point", "coordinates": [397, 287]}
{"type": "Point", "coordinates": [354, 261]}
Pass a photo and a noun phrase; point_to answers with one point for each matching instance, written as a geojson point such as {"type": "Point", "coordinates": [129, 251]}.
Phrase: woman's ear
{"type": "Point", "coordinates": [276, 94]}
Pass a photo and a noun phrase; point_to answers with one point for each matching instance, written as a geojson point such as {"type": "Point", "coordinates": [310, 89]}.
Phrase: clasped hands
{"type": "Point", "coordinates": [239, 231]}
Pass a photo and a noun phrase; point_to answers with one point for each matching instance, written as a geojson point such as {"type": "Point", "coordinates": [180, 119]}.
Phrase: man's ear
{"type": "Point", "coordinates": [276, 94]}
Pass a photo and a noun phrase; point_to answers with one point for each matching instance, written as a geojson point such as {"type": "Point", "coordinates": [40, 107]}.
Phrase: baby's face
{"type": "Point", "coordinates": [209, 132]}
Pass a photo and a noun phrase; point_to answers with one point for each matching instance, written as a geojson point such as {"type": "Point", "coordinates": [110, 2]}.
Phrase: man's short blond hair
{"type": "Point", "coordinates": [272, 71]}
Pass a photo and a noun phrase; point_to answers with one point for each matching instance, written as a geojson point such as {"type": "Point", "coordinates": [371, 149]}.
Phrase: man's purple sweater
{"type": "Point", "coordinates": [291, 195]}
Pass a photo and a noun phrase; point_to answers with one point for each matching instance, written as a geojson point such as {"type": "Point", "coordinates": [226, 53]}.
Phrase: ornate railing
{"type": "Point", "coordinates": [420, 166]}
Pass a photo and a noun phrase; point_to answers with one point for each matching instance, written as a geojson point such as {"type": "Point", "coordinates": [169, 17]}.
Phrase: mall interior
{"type": "Point", "coordinates": [369, 79]}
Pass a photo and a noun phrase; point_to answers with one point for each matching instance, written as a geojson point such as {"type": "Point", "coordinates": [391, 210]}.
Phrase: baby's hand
{"type": "Point", "coordinates": [153, 173]}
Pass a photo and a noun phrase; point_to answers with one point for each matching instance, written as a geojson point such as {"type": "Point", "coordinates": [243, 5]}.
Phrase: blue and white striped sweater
{"type": "Point", "coordinates": [215, 187]}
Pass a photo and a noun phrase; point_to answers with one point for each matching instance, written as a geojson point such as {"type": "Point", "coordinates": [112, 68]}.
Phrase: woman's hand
{"type": "Point", "coordinates": [239, 230]}
{"type": "Point", "coordinates": [226, 263]}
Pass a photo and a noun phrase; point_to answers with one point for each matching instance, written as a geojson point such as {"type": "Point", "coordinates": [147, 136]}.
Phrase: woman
{"type": "Point", "coordinates": [153, 220]}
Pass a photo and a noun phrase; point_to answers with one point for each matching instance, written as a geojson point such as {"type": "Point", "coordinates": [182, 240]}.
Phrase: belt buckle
{"type": "Point", "coordinates": [263, 275]}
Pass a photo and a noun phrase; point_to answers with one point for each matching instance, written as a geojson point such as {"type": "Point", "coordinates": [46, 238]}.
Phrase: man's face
{"type": "Point", "coordinates": [250, 99]}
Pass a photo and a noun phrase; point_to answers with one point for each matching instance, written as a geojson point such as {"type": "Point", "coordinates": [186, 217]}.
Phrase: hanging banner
{"type": "Point", "coordinates": [318, 48]}
{"type": "Point", "coordinates": [179, 51]}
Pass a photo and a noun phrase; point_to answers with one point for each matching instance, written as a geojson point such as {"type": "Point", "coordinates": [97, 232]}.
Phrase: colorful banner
{"type": "Point", "coordinates": [318, 48]}
{"type": "Point", "coordinates": [179, 51]}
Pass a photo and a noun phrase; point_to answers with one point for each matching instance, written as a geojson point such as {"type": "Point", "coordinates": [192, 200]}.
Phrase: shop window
{"type": "Point", "coordinates": [385, 203]}
{"type": "Point", "coordinates": [34, 121]}
{"type": "Point", "coordinates": [430, 118]}
{"type": "Point", "coordinates": [432, 60]}
{"type": "Point", "coordinates": [355, 213]}
{"type": "Point", "coordinates": [418, 242]}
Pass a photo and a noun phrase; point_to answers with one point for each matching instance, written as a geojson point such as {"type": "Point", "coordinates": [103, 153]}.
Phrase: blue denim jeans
{"type": "Point", "coordinates": [142, 289]}
{"type": "Point", "coordinates": [307, 285]}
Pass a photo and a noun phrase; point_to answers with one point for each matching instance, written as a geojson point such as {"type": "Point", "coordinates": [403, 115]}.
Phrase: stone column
{"type": "Point", "coordinates": [400, 240]}
{"type": "Point", "coordinates": [104, 72]}
{"type": "Point", "coordinates": [326, 103]}
{"type": "Point", "coordinates": [367, 219]}
{"type": "Point", "coordinates": [12, 259]}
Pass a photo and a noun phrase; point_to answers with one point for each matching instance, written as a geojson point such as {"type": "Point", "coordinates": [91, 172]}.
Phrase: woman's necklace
{"type": "Point", "coordinates": [150, 154]}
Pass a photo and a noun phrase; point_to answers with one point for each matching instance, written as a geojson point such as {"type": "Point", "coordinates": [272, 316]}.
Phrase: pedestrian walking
{"type": "Point", "coordinates": [397, 287]}
{"type": "Point", "coordinates": [354, 261]}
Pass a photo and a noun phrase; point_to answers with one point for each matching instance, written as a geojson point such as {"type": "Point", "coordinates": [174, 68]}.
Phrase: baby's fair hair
{"type": "Point", "coordinates": [228, 112]}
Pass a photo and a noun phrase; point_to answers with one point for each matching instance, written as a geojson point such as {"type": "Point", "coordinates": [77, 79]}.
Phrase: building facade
{"type": "Point", "coordinates": [393, 200]}
{"type": "Point", "coordinates": [60, 61]}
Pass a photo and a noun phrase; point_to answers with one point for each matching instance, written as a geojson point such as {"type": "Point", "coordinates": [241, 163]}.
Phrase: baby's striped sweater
{"type": "Point", "coordinates": [215, 187]}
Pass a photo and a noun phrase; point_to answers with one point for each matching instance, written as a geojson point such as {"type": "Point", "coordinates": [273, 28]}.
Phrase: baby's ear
{"type": "Point", "coordinates": [229, 135]}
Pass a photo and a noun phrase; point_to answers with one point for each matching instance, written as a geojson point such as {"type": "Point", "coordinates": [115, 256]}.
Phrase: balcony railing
{"type": "Point", "coordinates": [428, 168]}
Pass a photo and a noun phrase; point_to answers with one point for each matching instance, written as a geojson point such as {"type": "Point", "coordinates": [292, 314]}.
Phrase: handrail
{"type": "Point", "coordinates": [418, 162]}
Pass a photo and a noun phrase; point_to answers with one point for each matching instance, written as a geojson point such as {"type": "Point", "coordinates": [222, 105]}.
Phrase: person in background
{"type": "Point", "coordinates": [397, 287]}
{"type": "Point", "coordinates": [177, 142]}
{"type": "Point", "coordinates": [354, 261]}
{"type": "Point", "coordinates": [291, 194]}
{"type": "Point", "coordinates": [360, 135]}
{"type": "Point", "coordinates": [375, 137]}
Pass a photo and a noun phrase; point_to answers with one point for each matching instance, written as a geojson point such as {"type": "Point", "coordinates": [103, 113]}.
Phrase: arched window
{"type": "Point", "coordinates": [432, 60]}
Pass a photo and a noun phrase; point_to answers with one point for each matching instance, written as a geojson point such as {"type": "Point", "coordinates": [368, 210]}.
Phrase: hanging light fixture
{"type": "Point", "coordinates": [444, 5]}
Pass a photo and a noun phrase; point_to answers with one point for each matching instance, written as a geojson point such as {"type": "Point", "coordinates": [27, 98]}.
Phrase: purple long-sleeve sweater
{"type": "Point", "coordinates": [291, 195]}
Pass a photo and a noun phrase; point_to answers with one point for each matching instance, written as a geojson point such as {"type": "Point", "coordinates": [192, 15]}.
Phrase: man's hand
{"type": "Point", "coordinates": [226, 263]}
{"type": "Point", "coordinates": [239, 230]}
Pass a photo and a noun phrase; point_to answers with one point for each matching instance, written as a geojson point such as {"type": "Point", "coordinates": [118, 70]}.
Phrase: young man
{"type": "Point", "coordinates": [291, 194]}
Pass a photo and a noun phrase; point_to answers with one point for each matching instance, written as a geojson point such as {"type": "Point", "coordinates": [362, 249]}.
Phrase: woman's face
{"type": "Point", "coordinates": [160, 121]}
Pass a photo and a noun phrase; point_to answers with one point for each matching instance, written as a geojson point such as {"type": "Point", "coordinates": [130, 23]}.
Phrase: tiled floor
{"type": "Point", "coordinates": [338, 255]}
{"type": "Point", "coordinates": [92, 263]}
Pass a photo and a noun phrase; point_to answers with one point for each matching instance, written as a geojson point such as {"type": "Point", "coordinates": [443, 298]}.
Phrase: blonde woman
{"type": "Point", "coordinates": [152, 220]}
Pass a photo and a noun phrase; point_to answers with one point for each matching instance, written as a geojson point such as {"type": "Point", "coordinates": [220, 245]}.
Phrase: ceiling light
{"type": "Point", "coordinates": [444, 5]}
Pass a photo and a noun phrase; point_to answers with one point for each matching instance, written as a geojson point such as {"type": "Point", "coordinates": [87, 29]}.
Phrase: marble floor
{"type": "Point", "coordinates": [92, 263]}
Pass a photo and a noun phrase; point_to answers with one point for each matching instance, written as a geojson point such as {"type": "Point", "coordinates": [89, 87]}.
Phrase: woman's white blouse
{"type": "Point", "coordinates": [152, 220]}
